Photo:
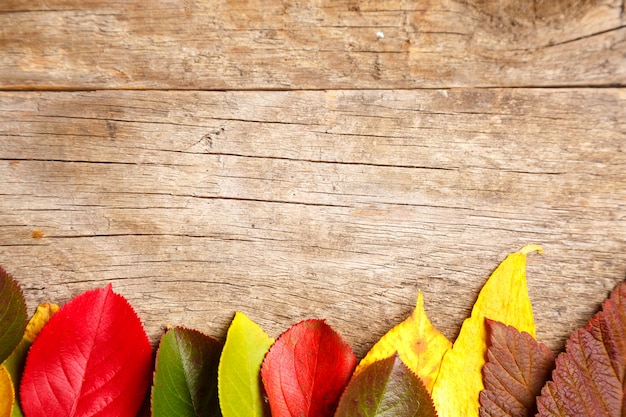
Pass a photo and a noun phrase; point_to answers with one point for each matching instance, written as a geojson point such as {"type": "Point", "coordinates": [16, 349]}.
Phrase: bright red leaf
{"type": "Point", "coordinates": [589, 377]}
{"type": "Point", "coordinates": [306, 370]}
{"type": "Point", "coordinates": [516, 369]}
{"type": "Point", "coordinates": [93, 358]}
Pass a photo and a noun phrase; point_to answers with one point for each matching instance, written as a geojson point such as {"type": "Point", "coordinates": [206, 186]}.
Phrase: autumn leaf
{"type": "Point", "coordinates": [92, 358]}
{"type": "Point", "coordinates": [504, 298]}
{"type": "Point", "coordinates": [7, 392]}
{"type": "Point", "coordinates": [306, 370]}
{"type": "Point", "coordinates": [15, 362]}
{"type": "Point", "coordinates": [12, 314]}
{"type": "Point", "coordinates": [185, 379]}
{"type": "Point", "coordinates": [516, 369]}
{"type": "Point", "coordinates": [589, 377]}
{"type": "Point", "coordinates": [239, 379]}
{"type": "Point", "coordinates": [386, 388]}
{"type": "Point", "coordinates": [418, 343]}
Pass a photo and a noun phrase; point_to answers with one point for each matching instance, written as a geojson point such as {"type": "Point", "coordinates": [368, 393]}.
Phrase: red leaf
{"type": "Point", "coordinates": [93, 358]}
{"type": "Point", "coordinates": [306, 370]}
{"type": "Point", "coordinates": [589, 376]}
{"type": "Point", "coordinates": [516, 369]}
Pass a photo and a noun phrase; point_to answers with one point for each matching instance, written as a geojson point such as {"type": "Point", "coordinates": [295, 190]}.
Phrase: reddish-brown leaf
{"type": "Point", "coordinates": [306, 370]}
{"type": "Point", "coordinates": [589, 376]}
{"type": "Point", "coordinates": [93, 358]}
{"type": "Point", "coordinates": [516, 369]}
{"type": "Point", "coordinates": [386, 388]}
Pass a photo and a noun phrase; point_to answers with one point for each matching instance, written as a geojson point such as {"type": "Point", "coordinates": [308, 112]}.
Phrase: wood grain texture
{"type": "Point", "coordinates": [335, 204]}
{"type": "Point", "coordinates": [325, 44]}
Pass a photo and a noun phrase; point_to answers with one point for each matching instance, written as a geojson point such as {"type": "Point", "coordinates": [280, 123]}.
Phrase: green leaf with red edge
{"type": "Point", "coordinates": [12, 314]}
{"type": "Point", "coordinates": [516, 369]}
{"type": "Point", "coordinates": [185, 380]}
{"type": "Point", "coordinates": [306, 370]}
{"type": "Point", "coordinates": [386, 388]}
{"type": "Point", "coordinates": [589, 376]}
{"type": "Point", "coordinates": [93, 358]}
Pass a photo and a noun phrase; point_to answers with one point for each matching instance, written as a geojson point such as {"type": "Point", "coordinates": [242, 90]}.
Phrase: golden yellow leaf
{"type": "Point", "coordinates": [418, 343]}
{"type": "Point", "coordinates": [504, 298]}
{"type": "Point", "coordinates": [39, 319]}
{"type": "Point", "coordinates": [7, 393]}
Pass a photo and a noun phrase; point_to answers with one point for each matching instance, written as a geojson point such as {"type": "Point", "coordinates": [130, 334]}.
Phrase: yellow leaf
{"type": "Point", "coordinates": [7, 393]}
{"type": "Point", "coordinates": [39, 319]}
{"type": "Point", "coordinates": [504, 298]}
{"type": "Point", "coordinates": [418, 343]}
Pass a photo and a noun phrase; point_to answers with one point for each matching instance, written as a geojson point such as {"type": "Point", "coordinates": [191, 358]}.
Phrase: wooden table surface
{"type": "Point", "coordinates": [313, 159]}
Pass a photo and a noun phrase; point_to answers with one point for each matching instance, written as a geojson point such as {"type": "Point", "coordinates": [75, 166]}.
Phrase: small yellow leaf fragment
{"type": "Point", "coordinates": [43, 313]}
{"type": "Point", "coordinates": [418, 343]}
{"type": "Point", "coordinates": [504, 298]}
{"type": "Point", "coordinates": [7, 393]}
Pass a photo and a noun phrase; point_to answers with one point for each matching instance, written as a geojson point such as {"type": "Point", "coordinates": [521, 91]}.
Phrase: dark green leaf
{"type": "Point", "coordinates": [185, 379]}
{"type": "Point", "coordinates": [12, 314]}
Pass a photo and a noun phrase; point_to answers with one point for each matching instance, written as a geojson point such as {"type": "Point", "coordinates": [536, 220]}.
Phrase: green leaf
{"type": "Point", "coordinates": [516, 369]}
{"type": "Point", "coordinates": [386, 388]}
{"type": "Point", "coordinates": [12, 314]}
{"type": "Point", "coordinates": [590, 375]}
{"type": "Point", "coordinates": [239, 382]}
{"type": "Point", "coordinates": [185, 379]}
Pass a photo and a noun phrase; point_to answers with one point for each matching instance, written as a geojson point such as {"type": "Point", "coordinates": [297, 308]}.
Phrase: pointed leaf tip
{"type": "Point", "coordinates": [504, 298]}
{"type": "Point", "coordinates": [386, 388]}
{"type": "Point", "coordinates": [418, 343]}
{"type": "Point", "coordinates": [531, 248]}
{"type": "Point", "coordinates": [306, 370]}
{"type": "Point", "coordinates": [96, 357]}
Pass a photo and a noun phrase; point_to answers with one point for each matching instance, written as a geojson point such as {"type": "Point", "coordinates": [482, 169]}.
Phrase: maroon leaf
{"type": "Point", "coordinates": [306, 370]}
{"type": "Point", "coordinates": [516, 369]}
{"type": "Point", "coordinates": [93, 358]}
{"type": "Point", "coordinates": [589, 376]}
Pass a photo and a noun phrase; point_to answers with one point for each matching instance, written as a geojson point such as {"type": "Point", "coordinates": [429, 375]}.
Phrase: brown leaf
{"type": "Point", "coordinates": [516, 369]}
{"type": "Point", "coordinates": [589, 376]}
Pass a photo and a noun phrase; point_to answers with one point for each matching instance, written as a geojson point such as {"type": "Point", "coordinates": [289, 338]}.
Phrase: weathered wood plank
{"type": "Point", "coordinates": [339, 204]}
{"type": "Point", "coordinates": [329, 44]}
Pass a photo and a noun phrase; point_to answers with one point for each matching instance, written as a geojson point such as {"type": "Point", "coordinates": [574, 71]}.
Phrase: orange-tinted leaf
{"type": "Point", "coordinates": [418, 343]}
{"type": "Point", "coordinates": [7, 392]}
{"type": "Point", "coordinates": [306, 370]}
{"type": "Point", "coordinates": [589, 377]}
{"type": "Point", "coordinates": [92, 358]}
{"type": "Point", "coordinates": [504, 297]}
{"type": "Point", "coordinates": [516, 369]}
{"type": "Point", "coordinates": [386, 388]}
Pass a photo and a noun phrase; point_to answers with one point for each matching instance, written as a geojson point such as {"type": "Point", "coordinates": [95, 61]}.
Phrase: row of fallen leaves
{"type": "Point", "coordinates": [93, 358]}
